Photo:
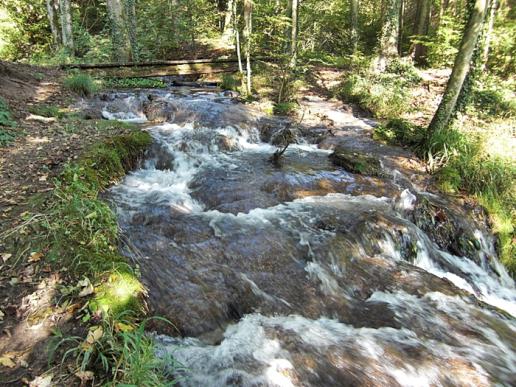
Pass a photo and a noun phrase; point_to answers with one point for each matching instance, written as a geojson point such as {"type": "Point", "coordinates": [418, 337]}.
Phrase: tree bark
{"type": "Point", "coordinates": [493, 8]}
{"type": "Point", "coordinates": [66, 25]}
{"type": "Point", "coordinates": [237, 39]}
{"type": "Point", "coordinates": [119, 38]}
{"type": "Point", "coordinates": [248, 29]}
{"type": "Point", "coordinates": [353, 13]}
{"type": "Point", "coordinates": [388, 45]}
{"type": "Point", "coordinates": [294, 32]}
{"type": "Point", "coordinates": [130, 13]}
{"type": "Point", "coordinates": [461, 68]}
{"type": "Point", "coordinates": [421, 30]}
{"type": "Point", "coordinates": [54, 26]}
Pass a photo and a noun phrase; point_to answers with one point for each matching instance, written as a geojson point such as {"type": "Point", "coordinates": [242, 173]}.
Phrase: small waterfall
{"type": "Point", "coordinates": [304, 274]}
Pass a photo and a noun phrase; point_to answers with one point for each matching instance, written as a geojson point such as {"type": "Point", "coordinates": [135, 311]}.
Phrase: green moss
{"type": "Point", "coordinates": [356, 162]}
{"type": "Point", "coordinates": [118, 293]}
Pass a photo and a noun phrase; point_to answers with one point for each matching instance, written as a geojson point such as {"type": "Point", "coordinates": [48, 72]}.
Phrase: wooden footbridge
{"type": "Point", "coordinates": [159, 68]}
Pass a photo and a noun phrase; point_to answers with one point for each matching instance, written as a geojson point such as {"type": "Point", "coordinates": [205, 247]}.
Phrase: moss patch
{"type": "Point", "coordinates": [354, 162]}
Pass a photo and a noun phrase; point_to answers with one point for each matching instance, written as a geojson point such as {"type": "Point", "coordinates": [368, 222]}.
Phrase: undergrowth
{"type": "Point", "coordinates": [79, 231]}
{"type": "Point", "coordinates": [81, 84]}
{"type": "Point", "coordinates": [132, 83]}
{"type": "Point", "coordinates": [6, 121]}
{"type": "Point", "coordinates": [384, 94]}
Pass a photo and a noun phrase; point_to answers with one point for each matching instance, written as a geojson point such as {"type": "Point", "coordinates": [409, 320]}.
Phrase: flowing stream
{"type": "Point", "coordinates": [304, 274]}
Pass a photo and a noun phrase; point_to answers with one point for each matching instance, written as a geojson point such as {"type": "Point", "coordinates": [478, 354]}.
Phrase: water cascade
{"type": "Point", "coordinates": [305, 274]}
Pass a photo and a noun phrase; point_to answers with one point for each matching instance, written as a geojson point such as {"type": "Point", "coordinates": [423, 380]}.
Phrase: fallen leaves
{"type": "Point", "coordinates": [7, 360]}
{"type": "Point", "coordinates": [42, 381]}
{"type": "Point", "coordinates": [35, 257]}
{"type": "Point", "coordinates": [86, 287]}
{"type": "Point", "coordinates": [94, 334]}
{"type": "Point", "coordinates": [85, 375]}
{"type": "Point", "coordinates": [2, 314]}
{"type": "Point", "coordinates": [6, 256]}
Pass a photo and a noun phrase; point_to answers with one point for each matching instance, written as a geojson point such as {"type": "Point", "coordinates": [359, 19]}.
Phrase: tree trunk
{"type": "Point", "coordinates": [248, 29]}
{"type": "Point", "coordinates": [130, 13]}
{"type": "Point", "coordinates": [294, 32]}
{"type": "Point", "coordinates": [493, 8]}
{"type": "Point", "coordinates": [421, 30]}
{"type": "Point", "coordinates": [353, 6]}
{"type": "Point", "coordinates": [119, 38]}
{"type": "Point", "coordinates": [400, 28]}
{"type": "Point", "coordinates": [237, 39]}
{"type": "Point", "coordinates": [66, 25]}
{"type": "Point", "coordinates": [54, 26]}
{"type": "Point", "coordinates": [388, 45]}
{"type": "Point", "coordinates": [461, 68]}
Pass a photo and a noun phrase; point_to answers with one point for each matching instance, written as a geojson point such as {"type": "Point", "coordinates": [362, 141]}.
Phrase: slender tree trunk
{"type": "Point", "coordinates": [388, 45]}
{"type": "Point", "coordinates": [228, 14]}
{"type": "Point", "coordinates": [423, 20]}
{"type": "Point", "coordinates": [248, 29]}
{"type": "Point", "coordinates": [54, 26]}
{"type": "Point", "coordinates": [294, 33]}
{"type": "Point", "coordinates": [400, 27]}
{"type": "Point", "coordinates": [130, 14]}
{"type": "Point", "coordinates": [119, 38]}
{"type": "Point", "coordinates": [353, 6]}
{"type": "Point", "coordinates": [66, 25]}
{"type": "Point", "coordinates": [461, 67]}
{"type": "Point", "coordinates": [237, 39]}
{"type": "Point", "coordinates": [493, 8]}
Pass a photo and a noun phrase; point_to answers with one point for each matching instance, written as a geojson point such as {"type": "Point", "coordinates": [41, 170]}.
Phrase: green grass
{"type": "Point", "coordinates": [230, 82]}
{"type": "Point", "coordinates": [79, 231]}
{"type": "Point", "coordinates": [47, 111]}
{"type": "Point", "coordinates": [81, 84]}
{"type": "Point", "coordinates": [7, 135]}
{"type": "Point", "coordinates": [285, 108]}
{"type": "Point", "coordinates": [132, 83]}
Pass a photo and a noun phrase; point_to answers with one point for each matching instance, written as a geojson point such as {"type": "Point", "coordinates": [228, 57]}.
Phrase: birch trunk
{"type": "Point", "coordinates": [54, 25]}
{"type": "Point", "coordinates": [461, 67]}
{"type": "Point", "coordinates": [66, 25]}
{"type": "Point", "coordinates": [248, 29]}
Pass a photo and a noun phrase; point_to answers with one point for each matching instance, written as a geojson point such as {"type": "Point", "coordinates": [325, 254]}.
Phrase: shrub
{"type": "Point", "coordinates": [399, 132]}
{"type": "Point", "coordinates": [229, 82]}
{"type": "Point", "coordinates": [284, 108]}
{"type": "Point", "coordinates": [495, 102]}
{"type": "Point", "coordinates": [81, 84]}
{"type": "Point", "coordinates": [384, 95]}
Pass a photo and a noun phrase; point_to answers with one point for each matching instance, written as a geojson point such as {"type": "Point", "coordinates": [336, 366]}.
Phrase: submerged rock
{"type": "Point", "coordinates": [355, 162]}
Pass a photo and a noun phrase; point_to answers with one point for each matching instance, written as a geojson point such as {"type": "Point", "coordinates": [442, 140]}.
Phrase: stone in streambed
{"type": "Point", "coordinates": [355, 162]}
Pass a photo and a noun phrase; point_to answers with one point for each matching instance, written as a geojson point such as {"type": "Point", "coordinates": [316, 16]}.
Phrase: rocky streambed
{"type": "Point", "coordinates": [315, 271]}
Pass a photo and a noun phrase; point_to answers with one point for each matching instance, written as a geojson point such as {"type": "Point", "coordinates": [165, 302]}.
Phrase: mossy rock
{"type": "Point", "coordinates": [355, 162]}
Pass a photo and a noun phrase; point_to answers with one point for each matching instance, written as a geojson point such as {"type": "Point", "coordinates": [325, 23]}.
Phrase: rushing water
{"type": "Point", "coordinates": [303, 274]}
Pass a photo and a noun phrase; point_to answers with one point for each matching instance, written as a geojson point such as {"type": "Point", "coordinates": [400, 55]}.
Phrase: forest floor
{"type": "Point", "coordinates": [28, 285]}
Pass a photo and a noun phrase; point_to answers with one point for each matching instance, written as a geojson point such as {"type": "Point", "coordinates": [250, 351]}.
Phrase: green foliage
{"type": "Point", "coordinates": [285, 108]}
{"type": "Point", "coordinates": [81, 84]}
{"type": "Point", "coordinates": [122, 350]}
{"type": "Point", "coordinates": [133, 83]}
{"type": "Point", "coordinates": [384, 95]}
{"type": "Point", "coordinates": [443, 43]}
{"type": "Point", "coordinates": [5, 115]}
{"type": "Point", "coordinates": [47, 111]}
{"type": "Point", "coordinates": [493, 98]}
{"type": "Point", "coordinates": [400, 132]}
{"type": "Point", "coordinates": [230, 82]}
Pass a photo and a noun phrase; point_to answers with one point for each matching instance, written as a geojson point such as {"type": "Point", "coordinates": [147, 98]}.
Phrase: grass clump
{"type": "Point", "coordinates": [133, 83]}
{"type": "Point", "coordinates": [285, 108]}
{"type": "Point", "coordinates": [383, 94]}
{"type": "Point", "coordinates": [47, 111]}
{"type": "Point", "coordinates": [230, 82]}
{"type": "Point", "coordinates": [81, 84]}
{"type": "Point", "coordinates": [399, 132]}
